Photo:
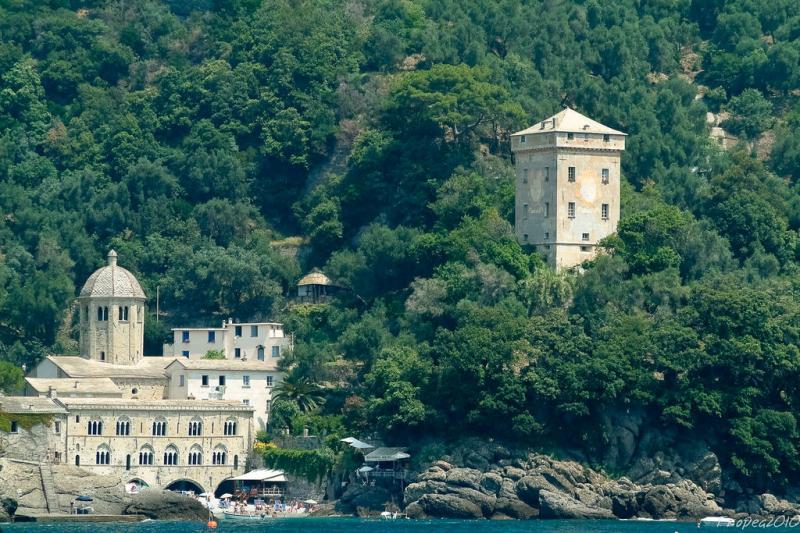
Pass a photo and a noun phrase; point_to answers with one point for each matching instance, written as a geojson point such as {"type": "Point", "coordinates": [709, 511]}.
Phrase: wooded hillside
{"type": "Point", "coordinates": [200, 139]}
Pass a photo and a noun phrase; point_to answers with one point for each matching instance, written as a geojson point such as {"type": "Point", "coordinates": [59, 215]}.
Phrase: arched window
{"type": "Point", "coordinates": [160, 427]}
{"type": "Point", "coordinates": [77, 460]}
{"type": "Point", "coordinates": [171, 456]}
{"type": "Point", "coordinates": [99, 314]}
{"type": "Point", "coordinates": [219, 455]}
{"type": "Point", "coordinates": [95, 427]}
{"type": "Point", "coordinates": [196, 455]}
{"type": "Point", "coordinates": [103, 455]}
{"type": "Point", "coordinates": [146, 455]}
{"type": "Point", "coordinates": [195, 427]}
{"type": "Point", "coordinates": [230, 427]}
{"type": "Point", "coordinates": [124, 426]}
{"type": "Point", "coordinates": [260, 353]}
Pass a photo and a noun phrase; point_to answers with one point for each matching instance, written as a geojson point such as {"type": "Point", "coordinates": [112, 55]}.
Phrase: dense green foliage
{"type": "Point", "coordinates": [311, 465]}
{"type": "Point", "coordinates": [199, 138]}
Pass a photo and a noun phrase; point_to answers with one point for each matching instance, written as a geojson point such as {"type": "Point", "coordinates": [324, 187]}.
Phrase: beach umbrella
{"type": "Point", "coordinates": [311, 502]}
{"type": "Point", "coordinates": [366, 469]}
{"type": "Point", "coordinates": [226, 495]}
{"type": "Point", "coordinates": [84, 498]}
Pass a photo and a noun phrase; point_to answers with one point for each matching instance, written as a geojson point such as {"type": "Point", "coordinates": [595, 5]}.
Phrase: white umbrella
{"type": "Point", "coordinates": [311, 502]}
{"type": "Point", "coordinates": [366, 469]}
{"type": "Point", "coordinates": [226, 495]}
{"type": "Point", "coordinates": [203, 494]}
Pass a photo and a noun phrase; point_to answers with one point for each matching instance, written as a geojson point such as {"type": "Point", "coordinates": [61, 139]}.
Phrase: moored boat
{"type": "Point", "coordinates": [717, 521]}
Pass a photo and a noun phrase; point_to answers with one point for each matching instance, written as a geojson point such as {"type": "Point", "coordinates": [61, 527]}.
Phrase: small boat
{"type": "Point", "coordinates": [717, 521]}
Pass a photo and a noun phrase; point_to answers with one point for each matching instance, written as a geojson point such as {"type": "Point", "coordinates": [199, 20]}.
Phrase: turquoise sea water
{"type": "Point", "coordinates": [352, 525]}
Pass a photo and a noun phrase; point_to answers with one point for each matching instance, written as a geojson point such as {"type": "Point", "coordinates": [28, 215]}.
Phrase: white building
{"type": "Point", "coordinates": [247, 382]}
{"type": "Point", "coordinates": [262, 341]}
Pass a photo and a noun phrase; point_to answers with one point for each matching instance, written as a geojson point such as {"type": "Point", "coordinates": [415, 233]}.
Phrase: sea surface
{"type": "Point", "coordinates": [354, 525]}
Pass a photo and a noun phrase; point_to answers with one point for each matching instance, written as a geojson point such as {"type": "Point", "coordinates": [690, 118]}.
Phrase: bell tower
{"type": "Point", "coordinates": [112, 315]}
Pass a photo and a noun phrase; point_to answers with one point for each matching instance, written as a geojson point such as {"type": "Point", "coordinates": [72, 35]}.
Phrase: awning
{"type": "Point", "coordinates": [386, 454]}
{"type": "Point", "coordinates": [357, 444]}
{"type": "Point", "coordinates": [263, 474]}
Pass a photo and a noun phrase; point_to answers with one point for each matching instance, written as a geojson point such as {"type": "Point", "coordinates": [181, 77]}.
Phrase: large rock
{"type": "Point", "coordinates": [444, 506]}
{"type": "Point", "coordinates": [559, 505]}
{"type": "Point", "coordinates": [165, 505]}
{"type": "Point", "coordinates": [358, 497]}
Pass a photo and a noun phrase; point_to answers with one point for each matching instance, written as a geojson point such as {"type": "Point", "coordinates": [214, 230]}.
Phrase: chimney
{"type": "Point", "coordinates": [112, 258]}
{"type": "Point", "coordinates": [305, 433]}
{"type": "Point", "coordinates": [51, 393]}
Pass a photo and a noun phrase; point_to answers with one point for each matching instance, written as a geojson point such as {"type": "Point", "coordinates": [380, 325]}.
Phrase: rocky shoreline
{"type": "Point", "coordinates": [21, 492]}
{"type": "Point", "coordinates": [538, 486]}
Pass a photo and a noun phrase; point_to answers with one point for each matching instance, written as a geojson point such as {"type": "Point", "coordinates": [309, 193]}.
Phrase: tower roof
{"type": "Point", "coordinates": [570, 121]}
{"type": "Point", "coordinates": [112, 281]}
{"type": "Point", "coordinates": [315, 277]}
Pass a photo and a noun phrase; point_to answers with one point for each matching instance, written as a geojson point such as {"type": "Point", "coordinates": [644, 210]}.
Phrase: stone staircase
{"type": "Point", "coordinates": [49, 487]}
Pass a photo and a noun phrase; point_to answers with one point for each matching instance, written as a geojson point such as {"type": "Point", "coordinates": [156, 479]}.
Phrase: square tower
{"type": "Point", "coordinates": [568, 183]}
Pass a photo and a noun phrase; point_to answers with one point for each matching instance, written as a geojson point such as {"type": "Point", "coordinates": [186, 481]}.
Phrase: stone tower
{"type": "Point", "coordinates": [568, 182]}
{"type": "Point", "coordinates": [112, 315]}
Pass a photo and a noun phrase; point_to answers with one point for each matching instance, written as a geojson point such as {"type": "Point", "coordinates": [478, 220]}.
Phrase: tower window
{"type": "Point", "coordinates": [546, 173]}
{"type": "Point", "coordinates": [524, 175]}
{"type": "Point", "coordinates": [547, 209]}
{"type": "Point", "coordinates": [584, 236]}
{"type": "Point", "coordinates": [525, 237]}
{"type": "Point", "coordinates": [604, 211]}
{"type": "Point", "coordinates": [546, 235]}
{"type": "Point", "coordinates": [604, 175]}
{"type": "Point", "coordinates": [123, 313]}
{"type": "Point", "coordinates": [102, 356]}
{"type": "Point", "coordinates": [105, 313]}
{"type": "Point", "coordinates": [571, 210]}
{"type": "Point", "coordinates": [524, 211]}
{"type": "Point", "coordinates": [99, 314]}
{"type": "Point", "coordinates": [571, 174]}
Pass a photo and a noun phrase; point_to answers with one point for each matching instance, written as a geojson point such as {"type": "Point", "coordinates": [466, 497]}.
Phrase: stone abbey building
{"type": "Point", "coordinates": [174, 421]}
{"type": "Point", "coordinates": [567, 186]}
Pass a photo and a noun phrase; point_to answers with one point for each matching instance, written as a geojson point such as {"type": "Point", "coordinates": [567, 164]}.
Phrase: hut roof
{"type": "Point", "coordinates": [315, 277]}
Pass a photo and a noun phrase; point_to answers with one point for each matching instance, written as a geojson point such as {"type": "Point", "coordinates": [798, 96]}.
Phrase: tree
{"type": "Point", "coordinates": [300, 391]}
{"type": "Point", "coordinates": [751, 114]}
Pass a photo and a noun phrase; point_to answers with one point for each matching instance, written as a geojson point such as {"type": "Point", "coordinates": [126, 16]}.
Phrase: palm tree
{"type": "Point", "coordinates": [300, 390]}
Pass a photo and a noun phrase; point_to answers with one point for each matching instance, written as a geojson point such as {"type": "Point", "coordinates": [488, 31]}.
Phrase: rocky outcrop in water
{"type": "Point", "coordinates": [165, 505]}
{"type": "Point", "coordinates": [546, 488]}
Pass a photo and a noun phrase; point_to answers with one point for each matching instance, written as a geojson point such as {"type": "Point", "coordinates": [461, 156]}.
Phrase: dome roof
{"type": "Point", "coordinates": [315, 277]}
{"type": "Point", "coordinates": [112, 281]}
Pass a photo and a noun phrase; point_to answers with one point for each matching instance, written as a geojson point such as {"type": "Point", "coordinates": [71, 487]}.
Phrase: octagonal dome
{"type": "Point", "coordinates": [112, 281]}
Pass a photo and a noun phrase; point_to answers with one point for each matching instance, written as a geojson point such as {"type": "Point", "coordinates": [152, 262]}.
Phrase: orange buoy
{"type": "Point", "coordinates": [212, 524]}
